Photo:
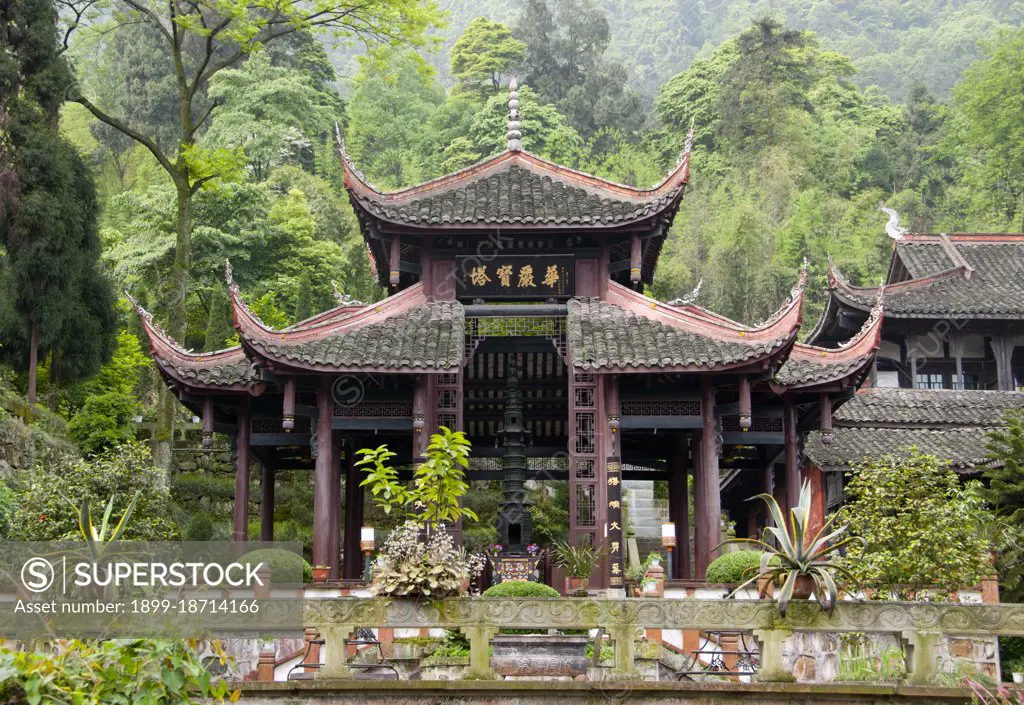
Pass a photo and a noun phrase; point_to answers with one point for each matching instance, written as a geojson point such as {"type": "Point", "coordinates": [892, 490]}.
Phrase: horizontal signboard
{"type": "Point", "coordinates": [515, 277]}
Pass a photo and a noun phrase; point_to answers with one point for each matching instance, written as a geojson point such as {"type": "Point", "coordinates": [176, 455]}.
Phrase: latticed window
{"type": "Point", "coordinates": [585, 504]}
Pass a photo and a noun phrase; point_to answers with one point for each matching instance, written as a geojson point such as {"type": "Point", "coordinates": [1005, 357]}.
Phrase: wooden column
{"type": "Point", "coordinates": [1003, 351]}
{"type": "Point", "coordinates": [266, 501]}
{"type": "Point", "coordinates": [353, 564]}
{"type": "Point", "coordinates": [792, 440]}
{"type": "Point", "coordinates": [679, 508]}
{"type": "Point", "coordinates": [335, 523]}
{"type": "Point", "coordinates": [827, 435]}
{"type": "Point", "coordinates": [322, 508]}
{"type": "Point", "coordinates": [767, 487]}
{"type": "Point", "coordinates": [710, 515]}
{"type": "Point", "coordinates": [395, 275]}
{"type": "Point", "coordinates": [635, 259]}
{"type": "Point", "coordinates": [207, 422]}
{"type": "Point", "coordinates": [288, 412]}
{"type": "Point", "coordinates": [242, 461]}
{"type": "Point", "coordinates": [745, 413]}
{"type": "Point", "coordinates": [816, 478]}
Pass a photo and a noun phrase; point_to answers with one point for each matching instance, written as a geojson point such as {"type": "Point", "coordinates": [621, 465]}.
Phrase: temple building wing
{"type": "Point", "coordinates": [949, 424]}
{"type": "Point", "coordinates": [223, 371]}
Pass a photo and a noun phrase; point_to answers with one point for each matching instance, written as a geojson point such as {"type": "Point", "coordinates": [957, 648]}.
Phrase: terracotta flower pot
{"type": "Point", "coordinates": [320, 575]}
{"type": "Point", "coordinates": [577, 585]}
{"type": "Point", "coordinates": [804, 587]}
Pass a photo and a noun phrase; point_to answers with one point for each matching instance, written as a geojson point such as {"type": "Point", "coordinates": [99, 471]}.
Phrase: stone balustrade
{"type": "Point", "coordinates": [920, 625]}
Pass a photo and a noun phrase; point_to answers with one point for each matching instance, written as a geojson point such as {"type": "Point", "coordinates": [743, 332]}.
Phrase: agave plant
{"type": "Point", "coordinates": [799, 554]}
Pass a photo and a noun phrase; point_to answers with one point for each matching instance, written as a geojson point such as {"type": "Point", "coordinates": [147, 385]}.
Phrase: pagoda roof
{"type": "Point", "coordinates": [964, 275]}
{"type": "Point", "coordinates": [518, 189]}
{"type": "Point", "coordinates": [809, 366]}
{"type": "Point", "coordinates": [631, 332]}
{"type": "Point", "coordinates": [950, 424]}
{"type": "Point", "coordinates": [228, 370]}
{"type": "Point", "coordinates": [404, 332]}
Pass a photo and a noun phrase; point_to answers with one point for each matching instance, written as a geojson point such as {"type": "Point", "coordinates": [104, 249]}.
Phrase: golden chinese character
{"type": "Point", "coordinates": [479, 276]}
{"type": "Point", "coordinates": [614, 504]}
{"type": "Point", "coordinates": [613, 481]}
{"type": "Point", "coordinates": [526, 275]}
{"type": "Point", "coordinates": [614, 526]}
{"type": "Point", "coordinates": [615, 546]}
{"type": "Point", "coordinates": [551, 278]}
{"type": "Point", "coordinates": [615, 569]}
{"type": "Point", "coordinates": [505, 274]}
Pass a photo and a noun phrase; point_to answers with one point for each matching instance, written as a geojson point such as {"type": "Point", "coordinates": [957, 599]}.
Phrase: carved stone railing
{"type": "Point", "coordinates": [919, 624]}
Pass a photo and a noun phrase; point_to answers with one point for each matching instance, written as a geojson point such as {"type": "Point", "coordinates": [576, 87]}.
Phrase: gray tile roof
{"type": "Point", "coordinates": [430, 336]}
{"type": "Point", "coordinates": [515, 195]}
{"type": "Point", "coordinates": [796, 373]}
{"type": "Point", "coordinates": [963, 448]}
{"type": "Point", "coordinates": [995, 288]}
{"type": "Point", "coordinates": [950, 424]}
{"type": "Point", "coordinates": [604, 336]}
{"type": "Point", "coordinates": [927, 407]}
{"type": "Point", "coordinates": [235, 372]}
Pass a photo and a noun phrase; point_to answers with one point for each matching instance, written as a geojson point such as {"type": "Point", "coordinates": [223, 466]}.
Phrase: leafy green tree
{"type": "Point", "coordinates": [924, 531]}
{"type": "Point", "coordinates": [272, 113]}
{"type": "Point", "coordinates": [58, 302]}
{"type": "Point", "coordinates": [107, 415]}
{"type": "Point", "coordinates": [51, 497]}
{"type": "Point", "coordinates": [218, 323]}
{"type": "Point", "coordinates": [545, 130]}
{"type": "Point", "coordinates": [1006, 493]}
{"type": "Point", "coordinates": [1006, 480]}
{"type": "Point", "coordinates": [985, 135]}
{"type": "Point", "coordinates": [484, 53]}
{"type": "Point", "coordinates": [566, 65]}
{"type": "Point", "coordinates": [395, 95]}
{"type": "Point", "coordinates": [201, 39]}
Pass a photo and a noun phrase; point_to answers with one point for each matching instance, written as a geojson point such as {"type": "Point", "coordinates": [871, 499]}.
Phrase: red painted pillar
{"type": "Point", "coordinates": [709, 516]}
{"type": "Point", "coordinates": [792, 441]}
{"type": "Point", "coordinates": [322, 479]}
{"type": "Point", "coordinates": [814, 475]}
{"type": "Point", "coordinates": [242, 462]}
{"type": "Point", "coordinates": [335, 506]}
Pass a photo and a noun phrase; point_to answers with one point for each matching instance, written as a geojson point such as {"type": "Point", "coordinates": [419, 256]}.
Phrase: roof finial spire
{"type": "Point", "coordinates": [893, 227]}
{"type": "Point", "coordinates": [514, 134]}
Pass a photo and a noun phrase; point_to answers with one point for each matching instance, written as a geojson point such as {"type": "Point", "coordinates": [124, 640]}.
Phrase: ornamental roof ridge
{"type": "Point", "coordinates": [855, 295]}
{"type": "Point", "coordinates": [253, 331]}
{"type": "Point", "coordinates": [863, 342]}
{"type": "Point", "coordinates": [161, 341]}
{"type": "Point", "coordinates": [784, 324]}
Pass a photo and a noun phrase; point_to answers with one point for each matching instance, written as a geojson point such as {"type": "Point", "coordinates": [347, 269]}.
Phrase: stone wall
{"type": "Point", "coordinates": [21, 445]}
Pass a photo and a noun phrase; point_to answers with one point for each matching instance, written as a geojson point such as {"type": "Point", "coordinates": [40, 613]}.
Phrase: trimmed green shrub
{"type": "Point", "coordinates": [200, 528]}
{"type": "Point", "coordinates": [520, 588]}
{"type": "Point", "coordinates": [734, 567]}
{"type": "Point", "coordinates": [281, 563]}
{"type": "Point", "coordinates": [190, 486]}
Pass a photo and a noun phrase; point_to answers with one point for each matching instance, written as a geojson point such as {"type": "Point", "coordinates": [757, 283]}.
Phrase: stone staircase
{"type": "Point", "coordinates": [645, 514]}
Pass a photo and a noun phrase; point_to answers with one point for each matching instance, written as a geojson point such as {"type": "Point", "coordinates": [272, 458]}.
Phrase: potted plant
{"type": "Point", "coordinates": [800, 566]}
{"type": "Point", "coordinates": [1017, 669]}
{"type": "Point", "coordinates": [320, 573]}
{"type": "Point", "coordinates": [579, 563]}
{"type": "Point", "coordinates": [635, 579]}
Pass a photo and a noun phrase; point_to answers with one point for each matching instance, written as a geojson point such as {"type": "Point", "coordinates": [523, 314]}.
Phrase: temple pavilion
{"type": "Point", "coordinates": [517, 265]}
